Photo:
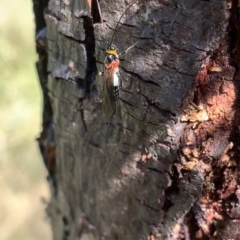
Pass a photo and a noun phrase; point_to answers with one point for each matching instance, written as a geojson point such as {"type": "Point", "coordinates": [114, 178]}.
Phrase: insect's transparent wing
{"type": "Point", "coordinates": [108, 101]}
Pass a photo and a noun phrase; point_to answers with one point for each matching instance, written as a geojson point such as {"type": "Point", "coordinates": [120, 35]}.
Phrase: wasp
{"type": "Point", "coordinates": [111, 83]}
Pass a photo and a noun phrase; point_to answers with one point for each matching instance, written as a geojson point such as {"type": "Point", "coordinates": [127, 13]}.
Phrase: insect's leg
{"type": "Point", "coordinates": [175, 15]}
{"type": "Point", "coordinates": [100, 78]}
{"type": "Point", "coordinates": [106, 146]}
{"type": "Point", "coordinates": [96, 83]}
{"type": "Point", "coordinates": [124, 52]}
{"type": "Point", "coordinates": [103, 72]}
{"type": "Point", "coordinates": [120, 84]}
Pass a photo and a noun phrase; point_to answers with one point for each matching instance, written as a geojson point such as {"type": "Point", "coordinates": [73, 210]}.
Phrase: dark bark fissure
{"type": "Point", "coordinates": [90, 47]}
{"type": "Point", "coordinates": [96, 12]}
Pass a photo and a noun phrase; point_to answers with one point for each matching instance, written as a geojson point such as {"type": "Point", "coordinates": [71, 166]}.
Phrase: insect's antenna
{"type": "Point", "coordinates": [120, 20]}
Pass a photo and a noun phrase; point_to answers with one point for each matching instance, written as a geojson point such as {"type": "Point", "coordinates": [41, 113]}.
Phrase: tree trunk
{"type": "Point", "coordinates": [165, 165]}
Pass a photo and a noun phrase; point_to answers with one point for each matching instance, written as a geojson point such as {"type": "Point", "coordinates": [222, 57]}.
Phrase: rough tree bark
{"type": "Point", "coordinates": [170, 170]}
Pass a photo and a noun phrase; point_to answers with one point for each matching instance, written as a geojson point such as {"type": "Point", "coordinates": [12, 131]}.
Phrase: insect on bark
{"type": "Point", "coordinates": [111, 81]}
{"type": "Point", "coordinates": [111, 77]}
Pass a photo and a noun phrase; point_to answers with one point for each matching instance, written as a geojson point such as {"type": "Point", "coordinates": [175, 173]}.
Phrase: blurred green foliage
{"type": "Point", "coordinates": [22, 173]}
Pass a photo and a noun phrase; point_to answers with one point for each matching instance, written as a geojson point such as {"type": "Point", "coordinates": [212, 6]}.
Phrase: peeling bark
{"type": "Point", "coordinates": [170, 170]}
